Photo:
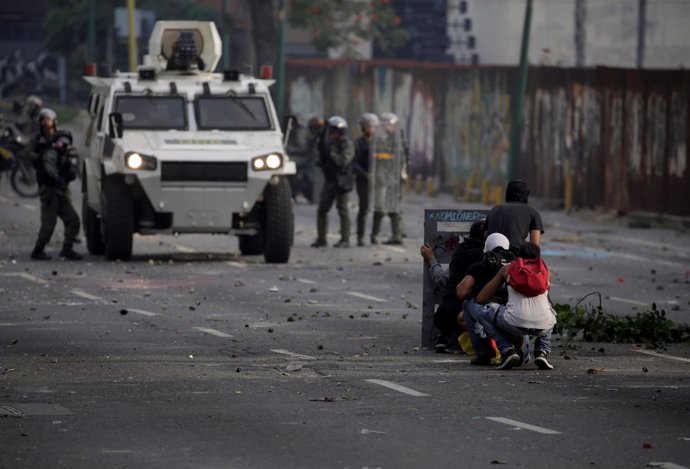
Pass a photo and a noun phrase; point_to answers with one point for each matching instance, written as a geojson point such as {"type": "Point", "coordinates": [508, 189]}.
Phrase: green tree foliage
{"type": "Point", "coordinates": [66, 21]}
{"type": "Point", "coordinates": [347, 23]}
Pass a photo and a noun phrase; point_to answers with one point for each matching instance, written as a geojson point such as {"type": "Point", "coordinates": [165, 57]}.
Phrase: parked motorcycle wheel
{"type": "Point", "coordinates": [23, 180]}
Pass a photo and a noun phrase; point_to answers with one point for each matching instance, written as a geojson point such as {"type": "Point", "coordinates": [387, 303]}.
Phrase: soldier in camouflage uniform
{"type": "Point", "coordinates": [336, 152]}
{"type": "Point", "coordinates": [369, 124]}
{"type": "Point", "coordinates": [55, 169]}
{"type": "Point", "coordinates": [389, 162]}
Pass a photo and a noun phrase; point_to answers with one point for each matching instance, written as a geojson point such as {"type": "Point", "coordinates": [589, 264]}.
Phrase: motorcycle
{"type": "Point", "coordinates": [12, 160]}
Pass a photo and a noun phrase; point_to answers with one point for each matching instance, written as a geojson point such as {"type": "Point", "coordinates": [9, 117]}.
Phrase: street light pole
{"type": "Point", "coordinates": [226, 35]}
{"type": "Point", "coordinates": [520, 95]}
{"type": "Point", "coordinates": [280, 72]}
{"type": "Point", "coordinates": [132, 36]}
{"type": "Point", "coordinates": [91, 33]}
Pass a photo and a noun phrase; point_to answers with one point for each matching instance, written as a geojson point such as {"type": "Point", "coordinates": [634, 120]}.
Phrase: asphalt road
{"type": "Point", "coordinates": [191, 356]}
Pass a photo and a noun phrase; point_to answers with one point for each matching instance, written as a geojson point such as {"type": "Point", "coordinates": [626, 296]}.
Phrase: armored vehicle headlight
{"type": "Point", "coordinates": [137, 161]}
{"type": "Point", "coordinates": [267, 162]}
{"type": "Point", "coordinates": [274, 161]}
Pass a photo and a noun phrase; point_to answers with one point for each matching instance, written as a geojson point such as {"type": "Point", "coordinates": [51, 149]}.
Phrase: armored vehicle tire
{"type": "Point", "coordinates": [279, 222]}
{"type": "Point", "coordinates": [251, 245]}
{"type": "Point", "coordinates": [92, 228]}
{"type": "Point", "coordinates": [117, 219]}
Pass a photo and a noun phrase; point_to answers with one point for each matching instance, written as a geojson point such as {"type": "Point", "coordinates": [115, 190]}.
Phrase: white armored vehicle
{"type": "Point", "coordinates": [175, 148]}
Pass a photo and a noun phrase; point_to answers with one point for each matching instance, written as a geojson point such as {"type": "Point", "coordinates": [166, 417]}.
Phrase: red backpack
{"type": "Point", "coordinates": [529, 276]}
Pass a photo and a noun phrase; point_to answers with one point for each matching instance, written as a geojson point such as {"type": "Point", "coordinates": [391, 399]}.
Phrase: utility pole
{"type": "Point", "coordinates": [226, 35]}
{"type": "Point", "coordinates": [641, 32]}
{"type": "Point", "coordinates": [91, 34]}
{"type": "Point", "coordinates": [133, 53]}
{"type": "Point", "coordinates": [520, 95]}
{"type": "Point", "coordinates": [580, 32]}
{"type": "Point", "coordinates": [280, 73]}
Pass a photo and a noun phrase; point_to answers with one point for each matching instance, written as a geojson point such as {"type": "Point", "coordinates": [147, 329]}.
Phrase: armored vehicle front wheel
{"type": "Point", "coordinates": [117, 218]}
{"type": "Point", "coordinates": [278, 224]}
{"type": "Point", "coordinates": [92, 228]}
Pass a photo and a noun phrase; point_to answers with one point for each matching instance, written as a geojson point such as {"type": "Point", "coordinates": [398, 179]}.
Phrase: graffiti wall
{"type": "Point", "coordinates": [619, 136]}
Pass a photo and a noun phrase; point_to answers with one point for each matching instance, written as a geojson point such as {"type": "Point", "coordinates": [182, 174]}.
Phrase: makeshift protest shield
{"type": "Point", "coordinates": [385, 169]}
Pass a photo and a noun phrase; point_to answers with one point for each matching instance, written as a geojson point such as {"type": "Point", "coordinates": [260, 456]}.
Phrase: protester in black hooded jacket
{"type": "Point", "coordinates": [515, 219]}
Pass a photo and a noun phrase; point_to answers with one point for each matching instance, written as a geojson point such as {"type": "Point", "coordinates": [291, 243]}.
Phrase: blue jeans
{"type": "Point", "coordinates": [542, 337]}
{"type": "Point", "coordinates": [485, 315]}
{"type": "Point", "coordinates": [480, 342]}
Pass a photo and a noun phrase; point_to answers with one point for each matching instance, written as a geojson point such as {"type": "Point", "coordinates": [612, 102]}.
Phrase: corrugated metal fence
{"type": "Point", "coordinates": [608, 138]}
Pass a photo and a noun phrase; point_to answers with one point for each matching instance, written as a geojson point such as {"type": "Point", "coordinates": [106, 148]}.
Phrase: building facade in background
{"type": "Point", "coordinates": [589, 33]}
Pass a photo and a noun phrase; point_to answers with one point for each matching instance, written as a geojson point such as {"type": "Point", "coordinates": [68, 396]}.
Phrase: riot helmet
{"type": "Point", "coordinates": [337, 126]}
{"type": "Point", "coordinates": [388, 118]}
{"type": "Point", "coordinates": [47, 114]}
{"type": "Point", "coordinates": [367, 119]}
{"type": "Point", "coordinates": [33, 102]}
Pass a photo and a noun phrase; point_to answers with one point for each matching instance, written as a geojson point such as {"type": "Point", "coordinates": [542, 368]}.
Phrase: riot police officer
{"type": "Point", "coordinates": [336, 153]}
{"type": "Point", "coordinates": [389, 166]}
{"type": "Point", "coordinates": [55, 168]}
{"type": "Point", "coordinates": [369, 124]}
{"type": "Point", "coordinates": [28, 115]}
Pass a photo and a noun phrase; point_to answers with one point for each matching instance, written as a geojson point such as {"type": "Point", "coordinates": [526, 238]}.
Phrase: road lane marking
{"type": "Point", "coordinates": [32, 278]}
{"type": "Point", "coordinates": [365, 431]}
{"type": "Point", "coordinates": [625, 300]}
{"type": "Point", "coordinates": [212, 332]}
{"type": "Point", "coordinates": [87, 296]}
{"type": "Point", "coordinates": [239, 265]}
{"type": "Point", "coordinates": [663, 355]}
{"type": "Point", "coordinates": [293, 354]}
{"type": "Point", "coordinates": [396, 387]}
{"type": "Point", "coordinates": [185, 249]}
{"type": "Point", "coordinates": [30, 207]}
{"type": "Point", "coordinates": [665, 465]}
{"type": "Point", "coordinates": [395, 249]}
{"type": "Point", "coordinates": [526, 426]}
{"type": "Point", "coordinates": [367, 297]}
{"type": "Point", "coordinates": [142, 312]}
{"type": "Point", "coordinates": [26, 276]}
{"type": "Point", "coordinates": [306, 280]}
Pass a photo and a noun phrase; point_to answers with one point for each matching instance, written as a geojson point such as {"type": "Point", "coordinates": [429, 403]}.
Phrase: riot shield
{"type": "Point", "coordinates": [385, 169]}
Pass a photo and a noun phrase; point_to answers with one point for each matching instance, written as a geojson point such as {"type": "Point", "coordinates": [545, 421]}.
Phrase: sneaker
{"type": "Point", "coordinates": [374, 240]}
{"type": "Point", "coordinates": [342, 244]}
{"type": "Point", "coordinates": [69, 254]}
{"type": "Point", "coordinates": [393, 242]}
{"type": "Point", "coordinates": [40, 256]}
{"type": "Point", "coordinates": [360, 242]}
{"type": "Point", "coordinates": [508, 359]}
{"type": "Point", "coordinates": [519, 343]}
{"type": "Point", "coordinates": [441, 344]}
{"type": "Point", "coordinates": [541, 361]}
{"type": "Point", "coordinates": [319, 243]}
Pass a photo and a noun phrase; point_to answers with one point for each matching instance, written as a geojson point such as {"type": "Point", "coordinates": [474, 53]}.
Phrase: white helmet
{"type": "Point", "coordinates": [368, 118]}
{"type": "Point", "coordinates": [389, 118]}
{"type": "Point", "coordinates": [49, 113]}
{"type": "Point", "coordinates": [337, 122]}
{"type": "Point", "coordinates": [35, 100]}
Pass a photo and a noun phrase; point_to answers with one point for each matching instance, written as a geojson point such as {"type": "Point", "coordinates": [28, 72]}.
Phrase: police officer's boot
{"type": "Point", "coordinates": [321, 230]}
{"type": "Point", "coordinates": [360, 229]}
{"type": "Point", "coordinates": [396, 238]}
{"type": "Point", "coordinates": [69, 254]}
{"type": "Point", "coordinates": [39, 255]}
{"type": "Point", "coordinates": [376, 226]}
